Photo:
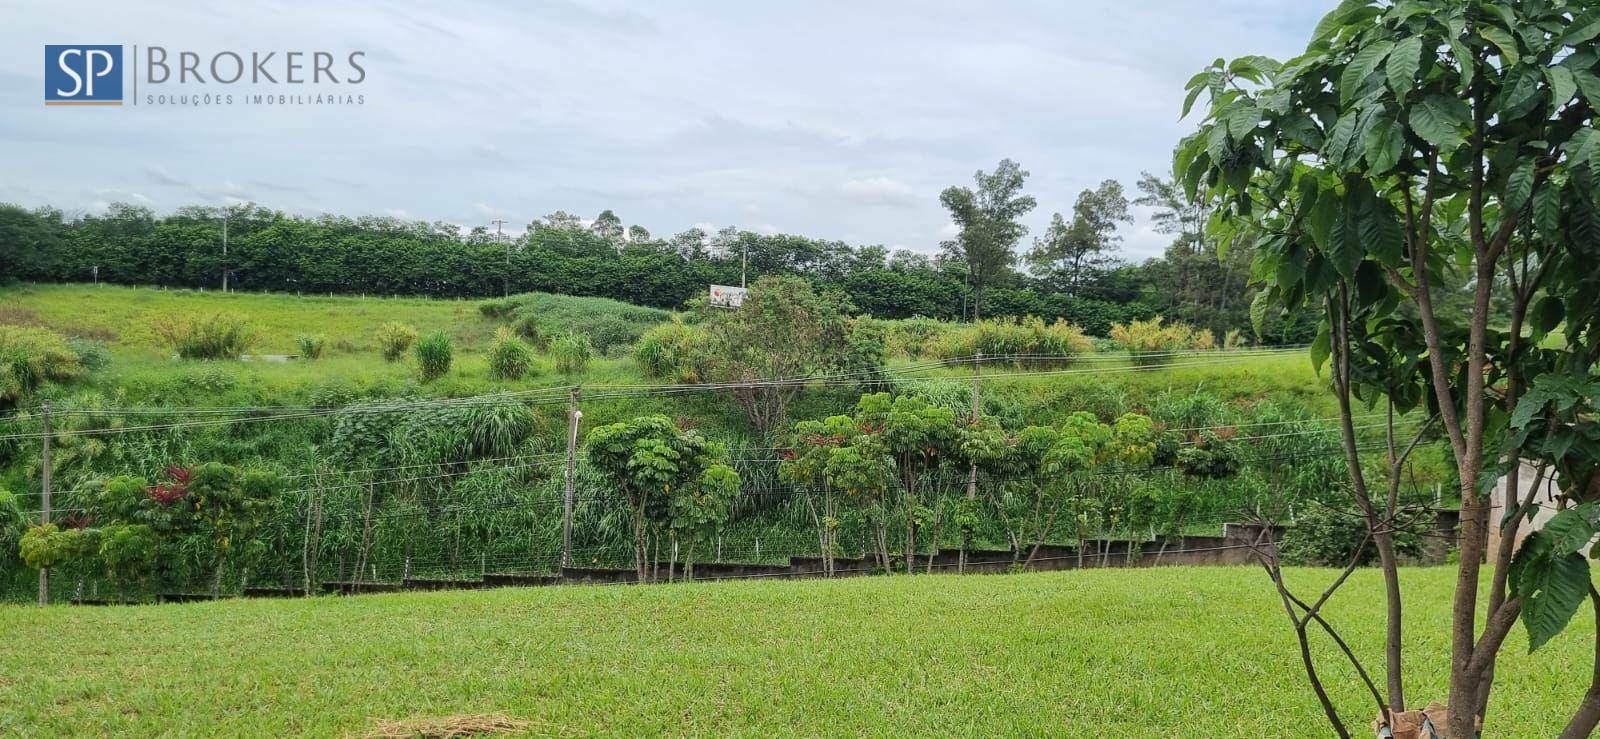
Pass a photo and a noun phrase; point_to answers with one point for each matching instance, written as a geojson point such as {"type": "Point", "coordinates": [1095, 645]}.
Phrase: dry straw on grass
{"type": "Point", "coordinates": [445, 727]}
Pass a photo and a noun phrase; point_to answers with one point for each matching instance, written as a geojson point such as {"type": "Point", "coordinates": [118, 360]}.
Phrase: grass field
{"type": "Point", "coordinates": [1193, 652]}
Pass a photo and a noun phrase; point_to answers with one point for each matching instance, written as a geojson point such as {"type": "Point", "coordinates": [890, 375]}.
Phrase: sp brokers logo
{"type": "Point", "coordinates": [83, 74]}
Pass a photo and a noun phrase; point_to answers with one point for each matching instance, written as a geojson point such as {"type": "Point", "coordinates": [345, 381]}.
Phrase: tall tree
{"type": "Point", "coordinates": [608, 226]}
{"type": "Point", "coordinates": [987, 216]}
{"type": "Point", "coordinates": [1088, 243]}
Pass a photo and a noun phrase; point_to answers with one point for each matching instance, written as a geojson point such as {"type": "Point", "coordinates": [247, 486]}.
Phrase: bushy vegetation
{"type": "Point", "coordinates": [30, 357]}
{"type": "Point", "coordinates": [609, 324]}
{"type": "Point", "coordinates": [394, 339]}
{"type": "Point", "coordinates": [510, 358]}
{"type": "Point", "coordinates": [216, 335]}
{"type": "Point", "coordinates": [434, 353]}
{"type": "Point", "coordinates": [1326, 536]}
{"type": "Point", "coordinates": [1020, 342]}
{"type": "Point", "coordinates": [571, 351]}
{"type": "Point", "coordinates": [311, 345]}
{"type": "Point", "coordinates": [1152, 342]}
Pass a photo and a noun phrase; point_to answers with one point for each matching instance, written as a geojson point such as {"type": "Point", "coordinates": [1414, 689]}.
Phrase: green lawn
{"type": "Point", "coordinates": [1192, 652]}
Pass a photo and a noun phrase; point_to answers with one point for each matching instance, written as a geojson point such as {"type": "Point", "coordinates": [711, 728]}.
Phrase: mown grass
{"type": "Point", "coordinates": [1195, 652]}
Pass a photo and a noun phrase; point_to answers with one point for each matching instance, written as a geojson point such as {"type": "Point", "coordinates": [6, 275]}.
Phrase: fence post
{"type": "Point", "coordinates": [44, 501]}
{"type": "Point", "coordinates": [573, 417]}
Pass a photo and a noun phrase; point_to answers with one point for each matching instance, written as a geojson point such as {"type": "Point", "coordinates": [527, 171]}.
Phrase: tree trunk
{"type": "Point", "coordinates": [1588, 716]}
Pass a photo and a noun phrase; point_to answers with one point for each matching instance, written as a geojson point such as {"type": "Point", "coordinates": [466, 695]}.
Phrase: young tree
{"type": "Point", "coordinates": [674, 481]}
{"type": "Point", "coordinates": [919, 437]}
{"type": "Point", "coordinates": [987, 217]}
{"type": "Point", "coordinates": [784, 331]}
{"type": "Point", "coordinates": [1088, 243]}
{"type": "Point", "coordinates": [1412, 139]}
{"type": "Point", "coordinates": [806, 465]}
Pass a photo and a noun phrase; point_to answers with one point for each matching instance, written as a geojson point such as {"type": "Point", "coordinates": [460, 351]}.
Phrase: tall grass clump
{"type": "Point", "coordinates": [311, 345]}
{"type": "Point", "coordinates": [1152, 342]}
{"type": "Point", "coordinates": [667, 352]}
{"type": "Point", "coordinates": [915, 337]}
{"type": "Point", "coordinates": [206, 336]}
{"type": "Point", "coordinates": [1025, 342]}
{"type": "Point", "coordinates": [434, 353]}
{"type": "Point", "coordinates": [394, 338]}
{"type": "Point", "coordinates": [510, 358]}
{"type": "Point", "coordinates": [572, 352]}
{"type": "Point", "coordinates": [31, 356]}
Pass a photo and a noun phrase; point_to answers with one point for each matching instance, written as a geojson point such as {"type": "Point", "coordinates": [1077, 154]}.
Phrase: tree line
{"type": "Point", "coordinates": [1071, 272]}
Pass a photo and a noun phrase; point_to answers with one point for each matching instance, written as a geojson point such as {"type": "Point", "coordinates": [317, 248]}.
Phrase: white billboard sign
{"type": "Point", "coordinates": [724, 296]}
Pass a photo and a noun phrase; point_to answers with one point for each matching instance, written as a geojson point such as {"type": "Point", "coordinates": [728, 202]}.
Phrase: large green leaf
{"type": "Point", "coordinates": [1551, 586]}
{"type": "Point", "coordinates": [1503, 40]}
{"type": "Point", "coordinates": [1583, 28]}
{"type": "Point", "coordinates": [1338, 146]}
{"type": "Point", "coordinates": [1519, 186]}
{"type": "Point", "coordinates": [1563, 85]}
{"type": "Point", "coordinates": [1321, 348]}
{"type": "Point", "coordinates": [1361, 66]}
{"type": "Point", "coordinates": [1519, 92]}
{"type": "Point", "coordinates": [1379, 227]}
{"type": "Point", "coordinates": [1588, 84]}
{"type": "Point", "coordinates": [1441, 120]}
{"type": "Point", "coordinates": [1572, 529]}
{"type": "Point", "coordinates": [1401, 67]}
{"type": "Point", "coordinates": [1241, 119]}
{"type": "Point", "coordinates": [1383, 141]}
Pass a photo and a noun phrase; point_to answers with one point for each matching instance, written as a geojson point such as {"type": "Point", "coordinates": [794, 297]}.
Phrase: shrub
{"type": "Point", "coordinates": [667, 352]}
{"type": "Point", "coordinates": [1151, 342]}
{"type": "Point", "coordinates": [509, 357]}
{"type": "Point", "coordinates": [92, 353]}
{"type": "Point", "coordinates": [211, 336]}
{"type": "Point", "coordinates": [572, 352]}
{"type": "Point", "coordinates": [394, 338]}
{"type": "Point", "coordinates": [1027, 341]}
{"type": "Point", "coordinates": [434, 353]}
{"type": "Point", "coordinates": [31, 356]}
{"type": "Point", "coordinates": [1328, 537]}
{"type": "Point", "coordinates": [48, 545]}
{"type": "Point", "coordinates": [527, 326]}
{"type": "Point", "coordinates": [497, 307]}
{"type": "Point", "coordinates": [311, 345]}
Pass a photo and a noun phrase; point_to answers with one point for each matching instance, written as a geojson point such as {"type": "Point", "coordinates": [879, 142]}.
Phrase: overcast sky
{"type": "Point", "coordinates": [835, 120]}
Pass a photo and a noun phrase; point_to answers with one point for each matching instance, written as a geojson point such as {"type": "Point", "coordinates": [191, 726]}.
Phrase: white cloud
{"type": "Point", "coordinates": [669, 114]}
{"type": "Point", "coordinates": [879, 191]}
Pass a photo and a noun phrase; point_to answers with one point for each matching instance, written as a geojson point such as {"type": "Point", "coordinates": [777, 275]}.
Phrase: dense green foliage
{"type": "Point", "coordinates": [32, 356]}
{"type": "Point", "coordinates": [271, 251]}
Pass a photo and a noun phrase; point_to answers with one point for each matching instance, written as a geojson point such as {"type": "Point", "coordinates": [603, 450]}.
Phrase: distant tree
{"type": "Point", "coordinates": [608, 226]}
{"type": "Point", "coordinates": [987, 217]}
{"type": "Point", "coordinates": [638, 234]}
{"type": "Point", "coordinates": [559, 220]}
{"type": "Point", "coordinates": [1086, 244]}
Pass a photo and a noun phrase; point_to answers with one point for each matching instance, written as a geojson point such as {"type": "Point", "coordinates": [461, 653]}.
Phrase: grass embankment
{"type": "Point", "coordinates": [144, 372]}
{"type": "Point", "coordinates": [1161, 652]}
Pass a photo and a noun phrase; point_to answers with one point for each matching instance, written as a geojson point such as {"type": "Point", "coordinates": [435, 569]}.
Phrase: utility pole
{"type": "Point", "coordinates": [505, 278]}
{"type": "Point", "coordinates": [573, 417]}
{"type": "Point", "coordinates": [744, 262]}
{"type": "Point", "coordinates": [44, 503]}
{"type": "Point", "coordinates": [972, 467]}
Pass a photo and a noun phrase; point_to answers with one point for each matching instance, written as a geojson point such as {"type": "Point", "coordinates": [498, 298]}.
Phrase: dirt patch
{"type": "Point", "coordinates": [445, 727]}
{"type": "Point", "coordinates": [16, 315]}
